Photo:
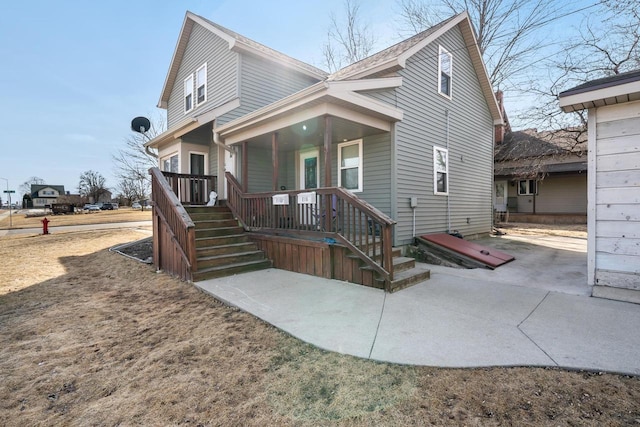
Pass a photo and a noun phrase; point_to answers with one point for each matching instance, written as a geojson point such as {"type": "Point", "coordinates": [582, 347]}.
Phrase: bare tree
{"type": "Point", "coordinates": [134, 160]}
{"type": "Point", "coordinates": [92, 185]}
{"type": "Point", "coordinates": [604, 47]}
{"type": "Point", "coordinates": [507, 30]}
{"type": "Point", "coordinates": [25, 187]}
{"type": "Point", "coordinates": [348, 41]}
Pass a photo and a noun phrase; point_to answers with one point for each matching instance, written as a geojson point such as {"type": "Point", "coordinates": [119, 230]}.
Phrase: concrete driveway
{"type": "Point", "coordinates": [534, 311]}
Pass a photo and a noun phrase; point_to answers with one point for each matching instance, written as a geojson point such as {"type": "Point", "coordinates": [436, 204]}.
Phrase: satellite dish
{"type": "Point", "coordinates": [140, 124]}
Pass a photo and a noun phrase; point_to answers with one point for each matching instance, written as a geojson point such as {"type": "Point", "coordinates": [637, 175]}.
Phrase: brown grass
{"type": "Point", "coordinates": [88, 337]}
{"type": "Point", "coordinates": [102, 217]}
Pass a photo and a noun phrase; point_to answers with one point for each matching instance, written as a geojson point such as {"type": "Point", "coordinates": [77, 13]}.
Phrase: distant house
{"type": "Point", "coordinates": [43, 195]}
{"type": "Point", "coordinates": [613, 254]}
{"type": "Point", "coordinates": [540, 175]}
{"type": "Point", "coordinates": [401, 140]}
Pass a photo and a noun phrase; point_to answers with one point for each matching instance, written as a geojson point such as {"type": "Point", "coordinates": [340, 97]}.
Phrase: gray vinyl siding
{"type": "Point", "coordinates": [262, 83]}
{"type": "Point", "coordinates": [470, 145]}
{"type": "Point", "coordinates": [260, 170]}
{"type": "Point", "coordinates": [222, 74]}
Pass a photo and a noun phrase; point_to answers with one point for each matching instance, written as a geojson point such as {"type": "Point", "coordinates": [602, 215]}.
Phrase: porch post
{"type": "Point", "coordinates": [327, 151]}
{"type": "Point", "coordinates": [245, 168]}
{"type": "Point", "coordinates": [274, 158]}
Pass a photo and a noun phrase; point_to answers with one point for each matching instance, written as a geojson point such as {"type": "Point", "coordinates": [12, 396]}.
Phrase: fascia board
{"type": "Point", "coordinates": [369, 103]}
{"type": "Point", "coordinates": [175, 132]}
{"type": "Point", "coordinates": [582, 100]}
{"type": "Point", "coordinates": [390, 63]}
{"type": "Point", "coordinates": [366, 84]}
{"type": "Point", "coordinates": [185, 31]}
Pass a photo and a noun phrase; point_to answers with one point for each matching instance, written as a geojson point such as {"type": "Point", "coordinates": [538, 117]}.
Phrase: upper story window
{"type": "Point", "coordinates": [188, 94]}
{"type": "Point", "coordinates": [440, 170]}
{"type": "Point", "coordinates": [445, 72]}
{"type": "Point", "coordinates": [201, 84]}
{"type": "Point", "coordinates": [350, 165]}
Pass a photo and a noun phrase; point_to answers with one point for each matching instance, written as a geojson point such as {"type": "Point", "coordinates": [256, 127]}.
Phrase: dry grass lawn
{"type": "Point", "coordinates": [89, 337]}
{"type": "Point", "coordinates": [102, 217]}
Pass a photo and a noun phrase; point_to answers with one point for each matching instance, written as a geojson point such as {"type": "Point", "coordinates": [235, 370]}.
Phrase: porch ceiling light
{"type": "Point", "coordinates": [304, 127]}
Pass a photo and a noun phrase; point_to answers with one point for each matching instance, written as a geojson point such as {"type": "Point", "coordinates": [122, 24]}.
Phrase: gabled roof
{"type": "Point", "coordinates": [37, 187]}
{"type": "Point", "coordinates": [395, 57]}
{"type": "Point", "coordinates": [237, 43]}
{"type": "Point", "coordinates": [624, 87]}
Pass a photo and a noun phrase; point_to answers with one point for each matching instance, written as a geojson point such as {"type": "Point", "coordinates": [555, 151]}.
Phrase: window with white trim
{"type": "Point", "coordinates": [350, 165]}
{"type": "Point", "coordinates": [188, 94]}
{"type": "Point", "coordinates": [527, 187]}
{"type": "Point", "coordinates": [201, 84]}
{"type": "Point", "coordinates": [440, 171]}
{"type": "Point", "coordinates": [445, 72]}
{"type": "Point", "coordinates": [170, 164]}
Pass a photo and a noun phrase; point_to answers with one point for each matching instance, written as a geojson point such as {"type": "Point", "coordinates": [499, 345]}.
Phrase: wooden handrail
{"type": "Point", "coordinates": [335, 213]}
{"type": "Point", "coordinates": [192, 189]}
{"type": "Point", "coordinates": [178, 236]}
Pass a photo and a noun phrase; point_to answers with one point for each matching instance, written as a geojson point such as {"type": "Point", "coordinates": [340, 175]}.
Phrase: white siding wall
{"type": "Point", "coordinates": [617, 197]}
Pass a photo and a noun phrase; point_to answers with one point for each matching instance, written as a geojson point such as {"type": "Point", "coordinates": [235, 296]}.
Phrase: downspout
{"type": "Point", "coordinates": [152, 154]}
{"type": "Point", "coordinates": [446, 113]}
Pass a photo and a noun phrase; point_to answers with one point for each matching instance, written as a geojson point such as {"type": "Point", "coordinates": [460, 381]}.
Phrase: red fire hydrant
{"type": "Point", "coordinates": [45, 225]}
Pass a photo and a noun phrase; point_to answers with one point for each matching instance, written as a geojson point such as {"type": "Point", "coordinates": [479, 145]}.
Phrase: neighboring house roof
{"type": "Point", "coordinates": [528, 152]}
{"type": "Point", "coordinates": [611, 90]}
{"type": "Point", "coordinates": [236, 42]}
{"type": "Point", "coordinates": [35, 188]}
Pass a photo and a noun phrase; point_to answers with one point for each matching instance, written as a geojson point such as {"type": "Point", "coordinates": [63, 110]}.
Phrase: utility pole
{"type": "Point", "coordinates": [9, 195]}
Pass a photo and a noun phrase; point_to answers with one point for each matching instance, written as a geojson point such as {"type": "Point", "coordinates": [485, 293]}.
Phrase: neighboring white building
{"type": "Point", "coordinates": [613, 211]}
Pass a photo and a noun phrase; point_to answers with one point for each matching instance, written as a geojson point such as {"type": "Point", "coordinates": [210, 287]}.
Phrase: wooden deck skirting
{"type": "Point", "coordinates": [174, 246]}
{"type": "Point", "coordinates": [316, 258]}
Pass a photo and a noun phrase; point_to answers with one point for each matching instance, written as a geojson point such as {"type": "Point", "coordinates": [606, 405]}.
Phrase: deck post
{"type": "Point", "coordinates": [245, 168]}
{"type": "Point", "coordinates": [274, 158]}
{"type": "Point", "coordinates": [327, 151]}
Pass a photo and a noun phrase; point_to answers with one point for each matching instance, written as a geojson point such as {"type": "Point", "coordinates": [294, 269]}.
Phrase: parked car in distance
{"type": "Point", "coordinates": [106, 207]}
{"type": "Point", "coordinates": [136, 205]}
{"type": "Point", "coordinates": [91, 208]}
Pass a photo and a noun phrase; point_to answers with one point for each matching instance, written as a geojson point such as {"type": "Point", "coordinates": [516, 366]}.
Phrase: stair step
{"type": "Point", "coordinates": [395, 252]}
{"type": "Point", "coordinates": [206, 209]}
{"type": "Point", "coordinates": [219, 231]}
{"type": "Point", "coordinates": [226, 249]}
{"type": "Point", "coordinates": [400, 263]}
{"type": "Point", "coordinates": [195, 217]}
{"type": "Point", "coordinates": [215, 223]}
{"type": "Point", "coordinates": [229, 259]}
{"type": "Point", "coordinates": [228, 270]}
{"type": "Point", "coordinates": [407, 278]}
{"type": "Point", "coordinates": [205, 242]}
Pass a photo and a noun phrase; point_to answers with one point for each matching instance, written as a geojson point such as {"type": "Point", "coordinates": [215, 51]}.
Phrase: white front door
{"type": "Point", "coordinates": [309, 169]}
{"type": "Point", "coordinates": [500, 196]}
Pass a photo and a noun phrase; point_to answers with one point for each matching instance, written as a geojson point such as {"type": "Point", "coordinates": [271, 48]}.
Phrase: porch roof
{"type": "Point", "coordinates": [334, 98]}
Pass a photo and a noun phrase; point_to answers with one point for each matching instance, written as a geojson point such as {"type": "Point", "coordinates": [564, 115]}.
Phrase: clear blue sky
{"type": "Point", "coordinates": [74, 73]}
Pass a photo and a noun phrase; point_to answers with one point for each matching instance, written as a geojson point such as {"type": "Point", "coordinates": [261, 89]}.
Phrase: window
{"type": "Point", "coordinates": [201, 84]}
{"type": "Point", "coordinates": [440, 171]}
{"type": "Point", "coordinates": [170, 164]}
{"type": "Point", "coordinates": [350, 165]}
{"type": "Point", "coordinates": [188, 94]}
{"type": "Point", "coordinates": [527, 187]}
{"type": "Point", "coordinates": [445, 72]}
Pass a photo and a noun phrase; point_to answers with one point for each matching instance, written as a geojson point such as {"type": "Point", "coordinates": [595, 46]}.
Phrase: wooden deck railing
{"type": "Point", "coordinates": [192, 189]}
{"type": "Point", "coordinates": [174, 236]}
{"type": "Point", "coordinates": [328, 212]}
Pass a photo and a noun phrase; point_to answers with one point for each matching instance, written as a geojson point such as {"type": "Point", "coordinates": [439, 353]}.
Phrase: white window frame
{"type": "Point", "coordinates": [360, 165]}
{"type": "Point", "coordinates": [436, 171]}
{"type": "Point", "coordinates": [188, 90]}
{"type": "Point", "coordinates": [528, 191]}
{"type": "Point", "coordinates": [444, 51]}
{"type": "Point", "coordinates": [169, 157]}
{"type": "Point", "coordinates": [198, 84]}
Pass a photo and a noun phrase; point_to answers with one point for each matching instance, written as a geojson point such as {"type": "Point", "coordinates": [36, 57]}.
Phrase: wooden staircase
{"type": "Point", "coordinates": [223, 247]}
{"type": "Point", "coordinates": [405, 272]}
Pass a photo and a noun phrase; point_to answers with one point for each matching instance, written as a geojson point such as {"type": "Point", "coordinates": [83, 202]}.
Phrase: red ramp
{"type": "Point", "coordinates": [490, 257]}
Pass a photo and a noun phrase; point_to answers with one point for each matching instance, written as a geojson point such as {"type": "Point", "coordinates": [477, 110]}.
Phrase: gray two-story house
{"type": "Point", "coordinates": [393, 146]}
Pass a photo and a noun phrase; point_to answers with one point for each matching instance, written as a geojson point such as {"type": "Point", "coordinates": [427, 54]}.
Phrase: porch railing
{"type": "Point", "coordinates": [192, 189]}
{"type": "Point", "coordinates": [323, 212]}
{"type": "Point", "coordinates": [174, 235]}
